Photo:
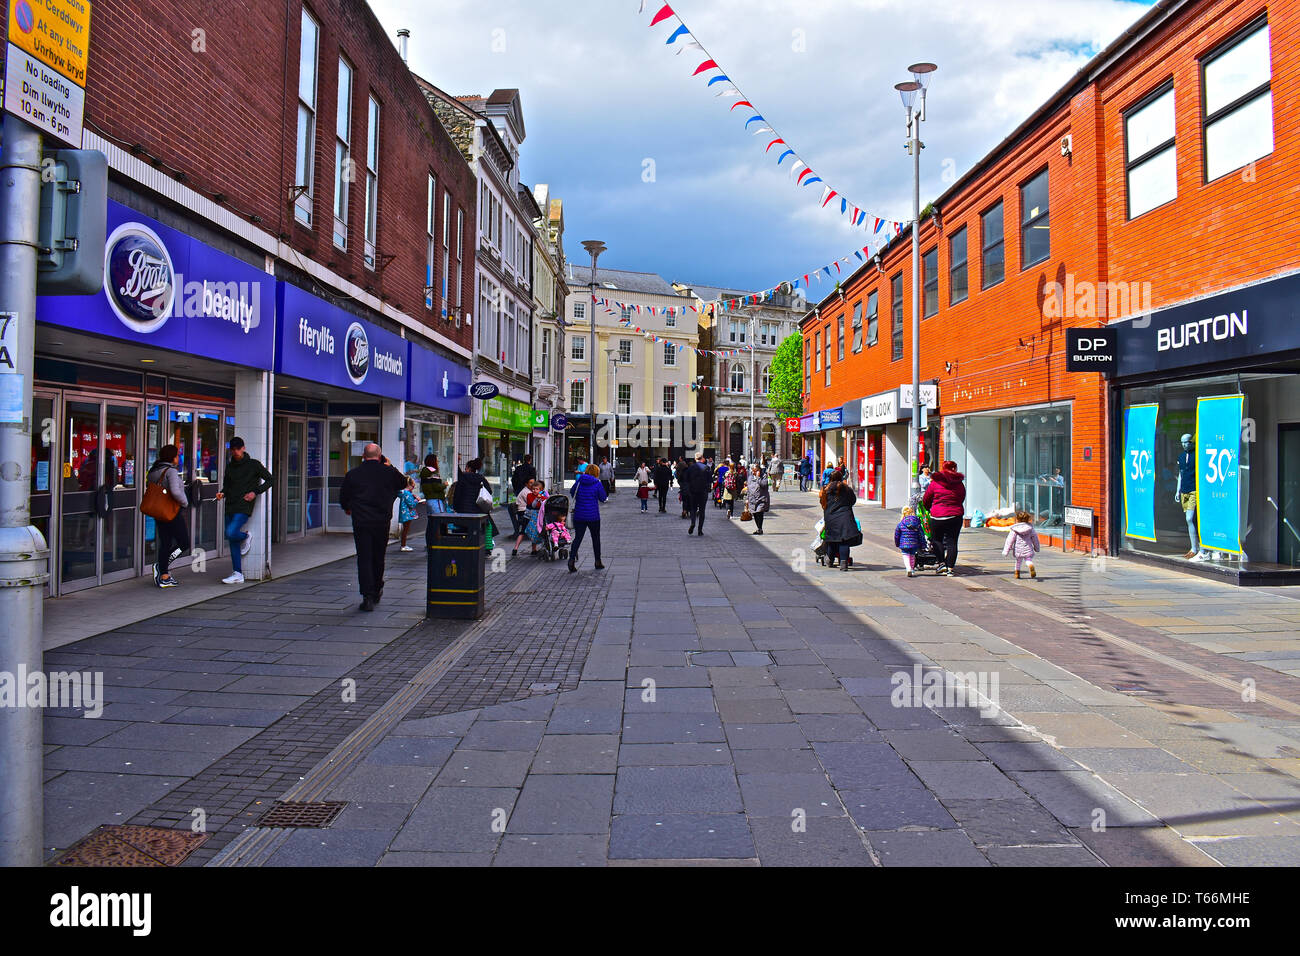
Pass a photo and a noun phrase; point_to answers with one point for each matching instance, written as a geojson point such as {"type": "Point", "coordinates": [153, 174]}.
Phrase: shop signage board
{"type": "Point", "coordinates": [167, 290]}
{"type": "Point", "coordinates": [1140, 471]}
{"type": "Point", "coordinates": [1091, 350]}
{"type": "Point", "coordinates": [830, 418]}
{"type": "Point", "coordinates": [318, 341]}
{"type": "Point", "coordinates": [45, 65]}
{"type": "Point", "coordinates": [792, 425]}
{"type": "Point", "coordinates": [506, 414]}
{"type": "Point", "coordinates": [438, 382]}
{"type": "Point", "coordinates": [484, 390]}
{"type": "Point", "coordinates": [559, 422]}
{"type": "Point", "coordinates": [929, 396]}
{"type": "Point", "coordinates": [542, 418]}
{"type": "Point", "coordinates": [1242, 324]}
{"type": "Point", "coordinates": [1218, 477]}
{"type": "Point", "coordinates": [880, 409]}
{"type": "Point", "coordinates": [1078, 517]}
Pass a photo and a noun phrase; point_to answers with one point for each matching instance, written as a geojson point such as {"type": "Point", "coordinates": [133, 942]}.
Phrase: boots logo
{"type": "Point", "coordinates": [356, 352]}
{"type": "Point", "coordinates": [139, 279]}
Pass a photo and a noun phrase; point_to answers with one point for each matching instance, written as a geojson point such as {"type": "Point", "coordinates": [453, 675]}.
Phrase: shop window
{"type": "Point", "coordinates": [1042, 465]}
{"type": "Point", "coordinates": [958, 289]}
{"type": "Point", "coordinates": [930, 289]}
{"type": "Point", "coordinates": [1035, 222]}
{"type": "Point", "coordinates": [993, 263]}
{"type": "Point", "coordinates": [1238, 103]}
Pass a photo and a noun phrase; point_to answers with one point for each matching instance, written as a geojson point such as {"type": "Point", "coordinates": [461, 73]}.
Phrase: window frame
{"type": "Point", "coordinates": [926, 280]}
{"type": "Point", "coordinates": [618, 399]}
{"type": "Point", "coordinates": [1027, 224]}
{"type": "Point", "coordinates": [580, 310]}
{"type": "Point", "coordinates": [1154, 152]}
{"type": "Point", "coordinates": [578, 397]}
{"type": "Point", "coordinates": [431, 196]}
{"type": "Point", "coordinates": [304, 202]}
{"type": "Point", "coordinates": [872, 319]}
{"type": "Point", "coordinates": [857, 327]}
{"type": "Point", "coordinates": [839, 337]}
{"type": "Point", "coordinates": [670, 399]}
{"type": "Point", "coordinates": [374, 114]}
{"type": "Point", "coordinates": [897, 343]}
{"type": "Point", "coordinates": [577, 344]}
{"type": "Point", "coordinates": [1000, 245]}
{"type": "Point", "coordinates": [625, 351]}
{"type": "Point", "coordinates": [954, 265]}
{"type": "Point", "coordinates": [342, 154]}
{"type": "Point", "coordinates": [826, 366]}
{"type": "Point", "coordinates": [1228, 109]}
{"type": "Point", "coordinates": [670, 354]}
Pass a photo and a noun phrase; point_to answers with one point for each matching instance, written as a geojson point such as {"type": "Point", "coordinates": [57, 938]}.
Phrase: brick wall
{"type": "Point", "coordinates": [210, 90]}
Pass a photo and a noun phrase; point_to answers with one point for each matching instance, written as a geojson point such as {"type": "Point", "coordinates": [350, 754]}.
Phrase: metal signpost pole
{"type": "Point", "coordinates": [23, 551]}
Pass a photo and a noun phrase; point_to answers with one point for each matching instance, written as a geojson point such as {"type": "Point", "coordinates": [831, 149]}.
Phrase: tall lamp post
{"type": "Point", "coordinates": [611, 354]}
{"type": "Point", "coordinates": [915, 116]}
{"type": "Point", "coordinates": [594, 247]}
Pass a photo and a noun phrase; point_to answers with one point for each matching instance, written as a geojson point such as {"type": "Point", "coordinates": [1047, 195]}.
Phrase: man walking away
{"type": "Point", "coordinates": [699, 480]}
{"type": "Point", "coordinates": [663, 477]}
{"type": "Point", "coordinates": [367, 495]}
{"type": "Point", "coordinates": [683, 472]}
{"type": "Point", "coordinates": [246, 478]}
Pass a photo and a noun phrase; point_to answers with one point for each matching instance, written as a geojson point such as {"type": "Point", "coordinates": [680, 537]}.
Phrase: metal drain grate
{"type": "Point", "coordinates": [312, 814]}
{"type": "Point", "coordinates": [119, 844]}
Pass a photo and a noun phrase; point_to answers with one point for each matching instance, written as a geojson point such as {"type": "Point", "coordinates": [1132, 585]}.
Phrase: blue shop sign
{"type": "Point", "coordinates": [166, 290]}
{"type": "Point", "coordinates": [318, 341]}
{"type": "Point", "coordinates": [830, 418]}
{"type": "Point", "coordinates": [808, 424]}
{"type": "Point", "coordinates": [438, 382]}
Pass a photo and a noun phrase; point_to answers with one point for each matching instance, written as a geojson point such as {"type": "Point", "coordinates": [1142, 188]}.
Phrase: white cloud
{"type": "Point", "coordinates": [601, 92]}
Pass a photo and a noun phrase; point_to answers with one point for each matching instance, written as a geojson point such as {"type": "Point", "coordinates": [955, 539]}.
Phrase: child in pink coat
{"type": "Point", "coordinates": [1022, 543]}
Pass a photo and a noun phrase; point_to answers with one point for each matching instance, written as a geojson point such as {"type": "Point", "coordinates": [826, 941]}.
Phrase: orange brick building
{"type": "Point", "coordinates": [1162, 176]}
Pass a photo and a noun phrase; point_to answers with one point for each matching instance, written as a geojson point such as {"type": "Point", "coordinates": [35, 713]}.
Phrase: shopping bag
{"type": "Point", "coordinates": [745, 515]}
{"type": "Point", "coordinates": [485, 502]}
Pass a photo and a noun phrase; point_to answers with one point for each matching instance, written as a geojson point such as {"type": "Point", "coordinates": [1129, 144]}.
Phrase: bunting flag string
{"type": "Point", "coordinates": [800, 171]}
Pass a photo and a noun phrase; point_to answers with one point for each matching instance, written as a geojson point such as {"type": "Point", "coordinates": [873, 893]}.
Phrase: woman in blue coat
{"type": "Point", "coordinates": [587, 494]}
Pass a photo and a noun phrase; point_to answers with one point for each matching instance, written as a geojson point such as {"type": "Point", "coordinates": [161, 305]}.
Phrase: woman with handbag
{"type": "Point", "coordinates": [472, 495]}
{"type": "Point", "coordinates": [842, 531]}
{"type": "Point", "coordinates": [165, 495]}
{"type": "Point", "coordinates": [758, 502]}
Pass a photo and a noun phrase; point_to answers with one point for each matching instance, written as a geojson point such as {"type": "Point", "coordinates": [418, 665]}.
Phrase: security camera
{"type": "Point", "coordinates": [1067, 144]}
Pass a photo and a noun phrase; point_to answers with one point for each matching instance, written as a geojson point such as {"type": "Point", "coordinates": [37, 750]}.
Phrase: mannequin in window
{"type": "Point", "coordinates": [1185, 496]}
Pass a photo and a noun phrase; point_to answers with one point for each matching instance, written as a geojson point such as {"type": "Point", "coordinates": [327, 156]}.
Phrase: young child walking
{"type": "Point", "coordinates": [408, 510]}
{"type": "Point", "coordinates": [909, 538]}
{"type": "Point", "coordinates": [643, 492]}
{"type": "Point", "coordinates": [1022, 543]}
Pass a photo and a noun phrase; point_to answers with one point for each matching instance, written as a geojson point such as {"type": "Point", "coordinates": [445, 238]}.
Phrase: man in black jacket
{"type": "Point", "coordinates": [663, 477]}
{"type": "Point", "coordinates": [367, 494]}
{"type": "Point", "coordinates": [683, 483]}
{"type": "Point", "coordinates": [699, 479]}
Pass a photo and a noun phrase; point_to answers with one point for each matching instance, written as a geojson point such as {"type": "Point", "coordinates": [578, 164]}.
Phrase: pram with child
{"type": "Point", "coordinates": [926, 556]}
{"type": "Point", "coordinates": [552, 531]}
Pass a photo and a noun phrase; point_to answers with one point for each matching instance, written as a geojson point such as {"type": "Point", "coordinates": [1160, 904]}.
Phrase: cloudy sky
{"type": "Point", "coordinates": [648, 160]}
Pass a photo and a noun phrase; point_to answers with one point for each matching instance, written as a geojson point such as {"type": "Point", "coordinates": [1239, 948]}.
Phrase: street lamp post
{"type": "Point", "coordinates": [594, 247]}
{"type": "Point", "coordinates": [920, 78]}
{"type": "Point", "coordinates": [613, 389]}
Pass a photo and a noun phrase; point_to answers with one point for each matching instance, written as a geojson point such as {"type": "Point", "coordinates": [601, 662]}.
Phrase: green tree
{"type": "Point", "coordinates": [786, 394]}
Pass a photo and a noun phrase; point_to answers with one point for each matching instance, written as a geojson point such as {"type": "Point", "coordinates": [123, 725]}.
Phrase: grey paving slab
{"type": "Point", "coordinates": [1011, 822]}
{"type": "Point", "coordinates": [672, 728]}
{"type": "Point", "coordinates": [837, 727]}
{"type": "Point", "coordinates": [383, 783]}
{"type": "Point", "coordinates": [680, 836]}
{"type": "Point", "coordinates": [925, 848]}
{"type": "Point", "coordinates": [563, 803]}
{"type": "Point", "coordinates": [577, 753]}
{"type": "Point", "coordinates": [764, 736]}
{"type": "Point", "coordinates": [823, 841]}
{"type": "Point", "coordinates": [670, 700]}
{"type": "Point", "coordinates": [447, 725]}
{"type": "Point", "coordinates": [485, 768]}
{"type": "Point", "coordinates": [180, 737]}
{"type": "Point", "coordinates": [504, 735]}
{"type": "Point", "coordinates": [372, 815]}
{"type": "Point", "coordinates": [457, 820]}
{"type": "Point", "coordinates": [1027, 755]}
{"type": "Point", "coordinates": [859, 765]}
{"type": "Point", "coordinates": [79, 731]}
{"type": "Point", "coordinates": [668, 676]}
{"type": "Point", "coordinates": [165, 763]}
{"type": "Point", "coordinates": [1126, 759]}
{"type": "Point", "coordinates": [1254, 850]}
{"type": "Point", "coordinates": [673, 755]}
{"type": "Point", "coordinates": [1041, 856]}
{"type": "Point", "coordinates": [896, 808]}
{"type": "Point", "coordinates": [1142, 846]}
{"type": "Point", "coordinates": [689, 789]}
{"type": "Point", "coordinates": [580, 720]}
{"type": "Point", "coordinates": [226, 716]}
{"type": "Point", "coordinates": [765, 710]}
{"type": "Point", "coordinates": [428, 752]}
{"type": "Point", "coordinates": [771, 760]}
{"type": "Point", "coordinates": [768, 794]}
{"type": "Point", "coordinates": [1073, 796]}
{"type": "Point", "coordinates": [331, 847]}
{"type": "Point", "coordinates": [930, 745]}
{"type": "Point", "coordinates": [965, 778]}
{"type": "Point", "coordinates": [552, 849]}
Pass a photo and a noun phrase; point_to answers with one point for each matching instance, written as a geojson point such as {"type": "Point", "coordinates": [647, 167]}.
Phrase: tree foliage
{"type": "Point", "coordinates": [786, 394]}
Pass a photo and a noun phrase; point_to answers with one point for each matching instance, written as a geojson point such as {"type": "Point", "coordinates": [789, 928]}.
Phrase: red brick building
{"type": "Point", "coordinates": [1161, 176]}
{"type": "Point", "coordinates": [277, 163]}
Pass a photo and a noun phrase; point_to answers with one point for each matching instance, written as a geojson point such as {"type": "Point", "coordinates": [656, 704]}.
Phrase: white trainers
{"type": "Point", "coordinates": [247, 546]}
{"type": "Point", "coordinates": [407, 548]}
{"type": "Point", "coordinates": [236, 578]}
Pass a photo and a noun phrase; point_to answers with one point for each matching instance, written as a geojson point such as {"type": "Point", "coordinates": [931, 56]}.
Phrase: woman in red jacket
{"type": "Point", "coordinates": [945, 497]}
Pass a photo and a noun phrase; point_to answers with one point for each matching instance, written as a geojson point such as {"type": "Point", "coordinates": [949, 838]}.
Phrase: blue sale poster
{"type": "Point", "coordinates": [1140, 471]}
{"type": "Point", "coordinates": [1218, 479]}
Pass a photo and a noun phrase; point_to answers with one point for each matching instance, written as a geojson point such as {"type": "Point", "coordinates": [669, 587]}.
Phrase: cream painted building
{"type": "Point", "coordinates": [644, 378]}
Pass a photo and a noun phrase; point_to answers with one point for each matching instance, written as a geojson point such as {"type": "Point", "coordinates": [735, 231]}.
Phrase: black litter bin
{"type": "Point", "coordinates": [457, 565]}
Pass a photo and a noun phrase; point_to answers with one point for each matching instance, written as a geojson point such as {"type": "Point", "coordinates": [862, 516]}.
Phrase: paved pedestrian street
{"type": "Point", "coordinates": [717, 700]}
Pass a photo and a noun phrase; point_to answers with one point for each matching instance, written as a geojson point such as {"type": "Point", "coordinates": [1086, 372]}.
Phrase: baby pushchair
{"type": "Point", "coordinates": [926, 557]}
{"type": "Point", "coordinates": [554, 544]}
